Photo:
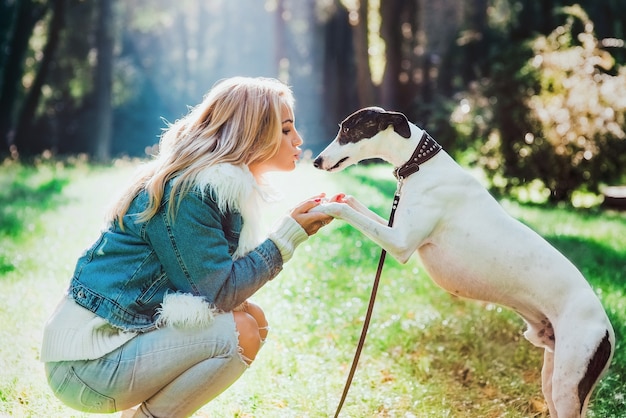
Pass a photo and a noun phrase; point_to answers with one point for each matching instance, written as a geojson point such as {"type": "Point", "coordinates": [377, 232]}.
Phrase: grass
{"type": "Point", "coordinates": [427, 354]}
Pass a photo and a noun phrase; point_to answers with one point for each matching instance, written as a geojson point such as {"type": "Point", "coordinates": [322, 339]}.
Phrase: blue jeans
{"type": "Point", "coordinates": [171, 372]}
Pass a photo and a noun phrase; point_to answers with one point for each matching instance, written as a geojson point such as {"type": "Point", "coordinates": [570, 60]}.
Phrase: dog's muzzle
{"type": "Point", "coordinates": [319, 163]}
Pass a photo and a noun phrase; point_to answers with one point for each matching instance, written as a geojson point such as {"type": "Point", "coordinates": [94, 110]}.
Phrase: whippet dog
{"type": "Point", "coordinates": [473, 249]}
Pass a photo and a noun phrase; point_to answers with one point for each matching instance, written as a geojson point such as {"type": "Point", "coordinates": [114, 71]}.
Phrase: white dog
{"type": "Point", "coordinates": [472, 248]}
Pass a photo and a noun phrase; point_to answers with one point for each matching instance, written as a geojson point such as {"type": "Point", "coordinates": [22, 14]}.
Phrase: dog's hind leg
{"type": "Point", "coordinates": [597, 366]}
{"type": "Point", "coordinates": [579, 361]}
{"type": "Point", "coordinates": [546, 379]}
{"type": "Point", "coordinates": [541, 334]}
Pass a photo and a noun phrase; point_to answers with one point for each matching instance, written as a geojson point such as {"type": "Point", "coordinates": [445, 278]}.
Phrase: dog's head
{"type": "Point", "coordinates": [360, 137]}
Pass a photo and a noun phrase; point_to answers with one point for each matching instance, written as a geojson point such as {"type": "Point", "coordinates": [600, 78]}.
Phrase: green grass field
{"type": "Point", "coordinates": [427, 354]}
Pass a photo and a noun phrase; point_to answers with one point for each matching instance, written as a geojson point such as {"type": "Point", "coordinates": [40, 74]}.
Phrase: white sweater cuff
{"type": "Point", "coordinates": [287, 234]}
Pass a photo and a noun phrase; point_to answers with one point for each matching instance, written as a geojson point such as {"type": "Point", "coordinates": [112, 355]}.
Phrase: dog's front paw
{"type": "Point", "coordinates": [333, 209]}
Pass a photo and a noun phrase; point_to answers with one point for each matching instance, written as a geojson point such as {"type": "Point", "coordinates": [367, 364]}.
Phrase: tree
{"type": "Point", "coordinates": [340, 94]}
{"type": "Point", "coordinates": [418, 37]}
{"type": "Point", "coordinates": [579, 109]}
{"type": "Point", "coordinates": [27, 13]}
{"type": "Point", "coordinates": [391, 12]}
{"type": "Point", "coordinates": [23, 131]}
{"type": "Point", "coordinates": [359, 22]}
{"type": "Point", "coordinates": [104, 81]}
{"type": "Point", "coordinates": [8, 11]}
{"type": "Point", "coordinates": [549, 108]}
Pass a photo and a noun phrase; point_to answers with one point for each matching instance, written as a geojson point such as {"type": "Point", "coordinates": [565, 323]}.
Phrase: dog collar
{"type": "Point", "coordinates": [425, 150]}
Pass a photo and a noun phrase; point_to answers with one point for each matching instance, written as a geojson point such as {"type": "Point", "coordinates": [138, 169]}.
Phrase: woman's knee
{"type": "Point", "coordinates": [258, 314]}
{"type": "Point", "coordinates": [249, 338]}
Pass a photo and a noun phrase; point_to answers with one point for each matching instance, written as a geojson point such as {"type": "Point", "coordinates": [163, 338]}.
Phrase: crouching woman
{"type": "Point", "coordinates": [156, 319]}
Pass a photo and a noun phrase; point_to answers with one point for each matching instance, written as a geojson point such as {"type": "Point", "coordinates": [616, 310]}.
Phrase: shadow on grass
{"type": "Point", "coordinates": [604, 266]}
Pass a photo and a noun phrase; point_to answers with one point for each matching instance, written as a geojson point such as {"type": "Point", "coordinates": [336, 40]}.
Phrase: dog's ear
{"type": "Point", "coordinates": [399, 122]}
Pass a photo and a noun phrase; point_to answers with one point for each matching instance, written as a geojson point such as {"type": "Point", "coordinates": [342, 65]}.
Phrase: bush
{"type": "Point", "coordinates": [560, 119]}
{"type": "Point", "coordinates": [580, 110]}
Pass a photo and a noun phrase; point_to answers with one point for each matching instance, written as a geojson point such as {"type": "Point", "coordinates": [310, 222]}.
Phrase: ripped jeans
{"type": "Point", "coordinates": [171, 372]}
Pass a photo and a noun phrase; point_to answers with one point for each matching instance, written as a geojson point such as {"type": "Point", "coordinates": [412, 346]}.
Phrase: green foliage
{"type": "Point", "coordinates": [552, 110]}
{"type": "Point", "coordinates": [427, 354]}
{"type": "Point", "coordinates": [25, 191]}
{"type": "Point", "coordinates": [168, 54]}
{"type": "Point", "coordinates": [580, 109]}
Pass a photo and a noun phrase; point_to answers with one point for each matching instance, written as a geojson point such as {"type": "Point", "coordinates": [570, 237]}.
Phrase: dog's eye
{"type": "Point", "coordinates": [345, 129]}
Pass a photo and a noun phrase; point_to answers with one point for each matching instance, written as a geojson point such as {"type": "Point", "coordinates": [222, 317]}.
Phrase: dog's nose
{"type": "Point", "coordinates": [318, 162]}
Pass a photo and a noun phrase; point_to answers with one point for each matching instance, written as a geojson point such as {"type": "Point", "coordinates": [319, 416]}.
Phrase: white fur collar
{"type": "Point", "coordinates": [237, 190]}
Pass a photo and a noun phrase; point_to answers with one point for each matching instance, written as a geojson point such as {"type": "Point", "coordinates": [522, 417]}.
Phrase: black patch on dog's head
{"type": "Point", "coordinates": [367, 122]}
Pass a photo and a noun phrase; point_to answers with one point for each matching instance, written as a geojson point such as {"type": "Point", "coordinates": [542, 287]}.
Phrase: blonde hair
{"type": "Point", "coordinates": [238, 122]}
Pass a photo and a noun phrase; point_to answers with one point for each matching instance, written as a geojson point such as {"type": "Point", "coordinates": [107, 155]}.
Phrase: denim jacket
{"type": "Point", "coordinates": [125, 275]}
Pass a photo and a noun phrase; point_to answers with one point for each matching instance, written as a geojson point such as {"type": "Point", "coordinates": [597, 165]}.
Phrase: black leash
{"type": "Point", "coordinates": [370, 308]}
{"type": "Point", "coordinates": [425, 150]}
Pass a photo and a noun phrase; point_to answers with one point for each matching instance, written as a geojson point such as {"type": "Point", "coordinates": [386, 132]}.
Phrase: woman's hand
{"type": "Point", "coordinates": [311, 222]}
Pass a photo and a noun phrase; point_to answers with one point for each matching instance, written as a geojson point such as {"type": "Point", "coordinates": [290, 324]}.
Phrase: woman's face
{"type": "Point", "coordinates": [289, 152]}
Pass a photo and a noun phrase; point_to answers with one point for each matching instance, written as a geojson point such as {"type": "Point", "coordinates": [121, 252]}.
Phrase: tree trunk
{"type": "Point", "coordinates": [365, 88]}
{"type": "Point", "coordinates": [391, 32]}
{"type": "Point", "coordinates": [437, 24]}
{"type": "Point", "coordinates": [26, 16]}
{"type": "Point", "coordinates": [23, 138]}
{"type": "Point", "coordinates": [280, 42]}
{"type": "Point", "coordinates": [103, 81]}
{"type": "Point", "coordinates": [8, 12]}
{"type": "Point", "coordinates": [340, 96]}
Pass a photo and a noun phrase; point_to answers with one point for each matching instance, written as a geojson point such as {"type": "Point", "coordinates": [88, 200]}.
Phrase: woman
{"type": "Point", "coordinates": [156, 313]}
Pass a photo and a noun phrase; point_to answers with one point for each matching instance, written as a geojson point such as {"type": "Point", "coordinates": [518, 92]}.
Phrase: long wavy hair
{"type": "Point", "coordinates": [238, 122]}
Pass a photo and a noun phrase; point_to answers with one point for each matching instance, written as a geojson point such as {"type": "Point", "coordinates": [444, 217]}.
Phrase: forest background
{"type": "Point", "coordinates": [527, 90]}
{"type": "Point", "coordinates": [532, 93]}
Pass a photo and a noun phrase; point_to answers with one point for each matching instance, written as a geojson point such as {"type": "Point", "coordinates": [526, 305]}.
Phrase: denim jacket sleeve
{"type": "Point", "coordinates": [194, 250]}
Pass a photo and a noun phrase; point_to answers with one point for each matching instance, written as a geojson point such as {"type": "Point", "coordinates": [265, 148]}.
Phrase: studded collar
{"type": "Point", "coordinates": [425, 150]}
